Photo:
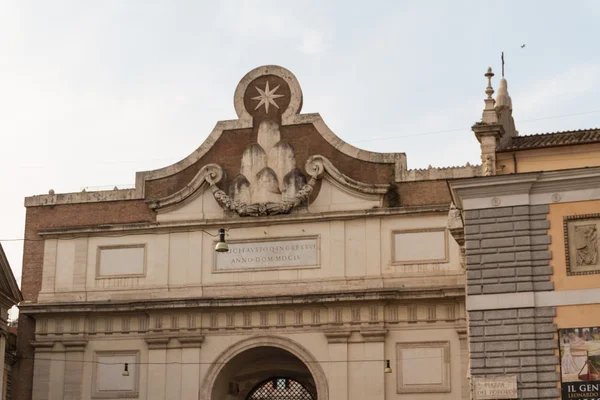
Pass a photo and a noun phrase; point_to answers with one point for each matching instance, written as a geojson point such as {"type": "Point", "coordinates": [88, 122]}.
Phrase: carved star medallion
{"type": "Point", "coordinates": [267, 97]}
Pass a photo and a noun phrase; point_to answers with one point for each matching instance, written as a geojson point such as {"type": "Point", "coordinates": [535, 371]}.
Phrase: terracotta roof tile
{"type": "Point", "coordinates": [542, 140]}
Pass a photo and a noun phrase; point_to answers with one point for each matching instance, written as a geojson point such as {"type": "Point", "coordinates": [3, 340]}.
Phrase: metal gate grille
{"type": "Point", "coordinates": [279, 389]}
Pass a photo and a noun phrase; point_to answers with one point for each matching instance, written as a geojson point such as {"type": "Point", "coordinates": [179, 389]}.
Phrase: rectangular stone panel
{"type": "Point", "coordinates": [419, 247]}
{"type": "Point", "coordinates": [269, 254]}
{"type": "Point", "coordinates": [125, 260]}
{"type": "Point", "coordinates": [108, 379]}
{"type": "Point", "coordinates": [423, 367]}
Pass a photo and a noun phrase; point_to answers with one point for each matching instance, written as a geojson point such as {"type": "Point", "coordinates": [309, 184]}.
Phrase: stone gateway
{"type": "Point", "coordinates": [344, 278]}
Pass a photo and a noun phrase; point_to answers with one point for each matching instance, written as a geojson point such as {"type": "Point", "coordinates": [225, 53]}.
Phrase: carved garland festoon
{"type": "Point", "coordinates": [314, 167]}
{"type": "Point", "coordinates": [262, 209]}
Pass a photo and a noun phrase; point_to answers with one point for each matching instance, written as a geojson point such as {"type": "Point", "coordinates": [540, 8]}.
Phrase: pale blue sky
{"type": "Point", "coordinates": [91, 92]}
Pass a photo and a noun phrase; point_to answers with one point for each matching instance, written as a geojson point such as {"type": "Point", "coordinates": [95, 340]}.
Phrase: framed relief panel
{"type": "Point", "coordinates": [423, 367]}
{"type": "Point", "coordinates": [582, 244]}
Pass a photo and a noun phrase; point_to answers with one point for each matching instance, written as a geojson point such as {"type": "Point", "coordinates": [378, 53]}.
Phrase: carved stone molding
{"type": "Point", "coordinates": [337, 336]}
{"type": "Point", "coordinates": [210, 173]}
{"type": "Point", "coordinates": [374, 335]}
{"type": "Point", "coordinates": [455, 225]}
{"type": "Point", "coordinates": [157, 342]}
{"type": "Point", "coordinates": [462, 333]}
{"type": "Point", "coordinates": [317, 165]}
{"type": "Point", "coordinates": [457, 230]}
{"type": "Point", "coordinates": [191, 341]}
{"type": "Point", "coordinates": [42, 346]}
{"type": "Point", "coordinates": [74, 345]}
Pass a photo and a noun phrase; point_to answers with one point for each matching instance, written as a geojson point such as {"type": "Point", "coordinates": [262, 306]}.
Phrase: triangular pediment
{"type": "Point", "coordinates": [8, 285]}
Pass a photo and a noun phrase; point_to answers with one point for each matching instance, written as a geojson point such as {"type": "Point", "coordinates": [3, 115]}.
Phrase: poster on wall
{"type": "Point", "coordinates": [580, 363]}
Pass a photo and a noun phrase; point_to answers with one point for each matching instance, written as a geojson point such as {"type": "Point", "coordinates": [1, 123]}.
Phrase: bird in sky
{"type": "Point", "coordinates": [522, 46]}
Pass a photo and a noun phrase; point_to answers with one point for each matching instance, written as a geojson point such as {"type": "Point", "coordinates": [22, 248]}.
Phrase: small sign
{"type": "Point", "coordinates": [284, 253]}
{"type": "Point", "coordinates": [495, 387]}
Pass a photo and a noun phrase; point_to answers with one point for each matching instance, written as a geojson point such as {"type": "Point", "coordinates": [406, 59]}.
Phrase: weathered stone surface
{"type": "Point", "coordinates": [519, 341]}
{"type": "Point", "coordinates": [501, 242]}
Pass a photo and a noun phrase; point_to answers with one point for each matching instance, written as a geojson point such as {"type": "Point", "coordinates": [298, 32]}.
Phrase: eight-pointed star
{"type": "Point", "coordinates": [267, 97]}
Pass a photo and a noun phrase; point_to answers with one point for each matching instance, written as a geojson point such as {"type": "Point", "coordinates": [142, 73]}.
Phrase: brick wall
{"type": "Point", "coordinates": [507, 252]}
{"type": "Point", "coordinates": [36, 219]}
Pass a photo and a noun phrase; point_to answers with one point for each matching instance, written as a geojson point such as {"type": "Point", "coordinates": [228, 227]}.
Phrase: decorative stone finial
{"type": "Point", "coordinates": [489, 90]}
{"type": "Point", "coordinates": [51, 192]}
{"type": "Point", "coordinates": [489, 112]}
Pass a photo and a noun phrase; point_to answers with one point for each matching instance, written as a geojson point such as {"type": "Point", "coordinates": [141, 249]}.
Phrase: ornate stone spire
{"type": "Point", "coordinates": [489, 90]}
{"type": "Point", "coordinates": [504, 111]}
{"type": "Point", "coordinates": [503, 99]}
{"type": "Point", "coordinates": [489, 131]}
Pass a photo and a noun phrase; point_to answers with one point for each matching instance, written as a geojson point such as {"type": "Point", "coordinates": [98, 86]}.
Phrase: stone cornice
{"type": "Point", "coordinates": [42, 346]}
{"type": "Point", "coordinates": [483, 129]}
{"type": "Point", "coordinates": [527, 188]}
{"type": "Point", "coordinates": [337, 336]}
{"type": "Point", "coordinates": [157, 342]}
{"type": "Point", "coordinates": [322, 298]}
{"type": "Point", "coordinates": [462, 332]}
{"type": "Point", "coordinates": [374, 335]}
{"type": "Point", "coordinates": [190, 340]}
{"type": "Point", "coordinates": [143, 228]}
{"type": "Point", "coordinates": [74, 345]}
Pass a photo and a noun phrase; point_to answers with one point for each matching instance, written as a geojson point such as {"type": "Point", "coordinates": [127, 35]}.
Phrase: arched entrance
{"type": "Point", "coordinates": [265, 368]}
{"type": "Point", "coordinates": [280, 389]}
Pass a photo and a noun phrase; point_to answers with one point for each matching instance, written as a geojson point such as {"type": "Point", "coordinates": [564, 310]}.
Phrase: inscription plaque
{"type": "Point", "coordinates": [284, 253]}
{"type": "Point", "coordinates": [496, 387]}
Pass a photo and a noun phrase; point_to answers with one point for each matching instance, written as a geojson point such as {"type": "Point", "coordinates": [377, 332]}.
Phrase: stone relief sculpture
{"type": "Point", "coordinates": [269, 183]}
{"type": "Point", "coordinates": [586, 243]}
{"type": "Point", "coordinates": [488, 166]}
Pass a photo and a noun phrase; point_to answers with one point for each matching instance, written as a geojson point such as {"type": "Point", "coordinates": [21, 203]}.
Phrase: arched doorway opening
{"type": "Point", "coordinates": [267, 372]}
{"type": "Point", "coordinates": [279, 389]}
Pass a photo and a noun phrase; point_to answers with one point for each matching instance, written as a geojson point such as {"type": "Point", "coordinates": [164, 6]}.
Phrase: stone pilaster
{"type": "Point", "coordinates": [41, 370]}
{"type": "Point", "coordinates": [338, 354]}
{"type": "Point", "coordinates": [157, 367]}
{"type": "Point", "coordinates": [374, 373]}
{"type": "Point", "coordinates": [190, 358]}
{"type": "Point", "coordinates": [464, 363]}
{"type": "Point", "coordinates": [74, 366]}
